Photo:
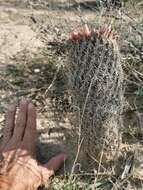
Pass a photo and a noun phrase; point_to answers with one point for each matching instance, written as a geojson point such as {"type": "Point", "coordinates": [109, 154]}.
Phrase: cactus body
{"type": "Point", "coordinates": [96, 79]}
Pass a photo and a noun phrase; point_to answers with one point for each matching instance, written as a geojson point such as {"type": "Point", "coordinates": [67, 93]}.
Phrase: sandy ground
{"type": "Point", "coordinates": [15, 35]}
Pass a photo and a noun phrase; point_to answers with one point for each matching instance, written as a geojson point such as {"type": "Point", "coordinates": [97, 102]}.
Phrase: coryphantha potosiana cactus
{"type": "Point", "coordinates": [96, 82]}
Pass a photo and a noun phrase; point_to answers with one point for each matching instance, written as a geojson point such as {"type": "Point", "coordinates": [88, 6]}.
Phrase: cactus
{"type": "Point", "coordinates": [96, 82]}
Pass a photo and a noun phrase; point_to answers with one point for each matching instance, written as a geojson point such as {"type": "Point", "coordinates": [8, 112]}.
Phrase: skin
{"type": "Point", "coordinates": [19, 169]}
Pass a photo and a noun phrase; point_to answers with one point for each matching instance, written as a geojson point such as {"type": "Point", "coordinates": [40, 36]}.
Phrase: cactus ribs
{"type": "Point", "coordinates": [96, 83]}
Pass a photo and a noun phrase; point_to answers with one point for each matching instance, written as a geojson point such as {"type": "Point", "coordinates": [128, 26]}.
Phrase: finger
{"type": "Point", "coordinates": [52, 166]}
{"type": "Point", "coordinates": [21, 121]}
{"type": "Point", "coordinates": [30, 130]}
{"type": "Point", "coordinates": [10, 122]}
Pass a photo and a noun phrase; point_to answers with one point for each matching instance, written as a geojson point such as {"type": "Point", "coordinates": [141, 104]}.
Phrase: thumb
{"type": "Point", "coordinates": [48, 169]}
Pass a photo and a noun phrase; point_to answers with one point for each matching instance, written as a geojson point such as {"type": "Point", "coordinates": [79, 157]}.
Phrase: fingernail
{"type": "Point", "coordinates": [31, 105]}
{"type": "Point", "coordinates": [23, 101]}
{"type": "Point", "coordinates": [12, 107]}
{"type": "Point", "coordinates": [63, 156]}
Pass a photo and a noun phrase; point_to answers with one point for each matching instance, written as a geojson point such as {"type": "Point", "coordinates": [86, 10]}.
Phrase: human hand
{"type": "Point", "coordinates": [19, 170]}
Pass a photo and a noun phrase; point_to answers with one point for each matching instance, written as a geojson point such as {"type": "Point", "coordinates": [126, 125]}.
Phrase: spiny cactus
{"type": "Point", "coordinates": [96, 79]}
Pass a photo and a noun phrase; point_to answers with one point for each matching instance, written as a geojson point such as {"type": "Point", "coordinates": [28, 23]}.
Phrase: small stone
{"type": "Point", "coordinates": [36, 70]}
